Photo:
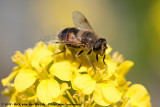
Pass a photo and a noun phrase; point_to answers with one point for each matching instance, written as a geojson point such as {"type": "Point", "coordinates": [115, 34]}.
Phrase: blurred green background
{"type": "Point", "coordinates": [132, 27]}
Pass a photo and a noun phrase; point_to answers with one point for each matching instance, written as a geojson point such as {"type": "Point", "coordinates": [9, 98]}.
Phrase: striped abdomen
{"type": "Point", "coordinates": [68, 34]}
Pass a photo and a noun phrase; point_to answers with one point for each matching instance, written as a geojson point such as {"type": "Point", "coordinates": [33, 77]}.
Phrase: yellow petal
{"type": "Point", "coordinates": [28, 53]}
{"type": "Point", "coordinates": [118, 58]}
{"type": "Point", "coordinates": [24, 79]}
{"type": "Point", "coordinates": [111, 66]}
{"type": "Point", "coordinates": [41, 56]}
{"type": "Point", "coordinates": [85, 83]}
{"type": "Point", "coordinates": [48, 90]}
{"type": "Point", "coordinates": [98, 97]}
{"type": "Point", "coordinates": [108, 50]}
{"type": "Point", "coordinates": [123, 69]}
{"type": "Point", "coordinates": [68, 55]}
{"type": "Point", "coordinates": [62, 70]}
{"type": "Point", "coordinates": [81, 69]}
{"type": "Point", "coordinates": [138, 96]}
{"type": "Point", "coordinates": [54, 47]}
{"type": "Point", "coordinates": [110, 92]}
{"type": "Point", "coordinates": [6, 80]}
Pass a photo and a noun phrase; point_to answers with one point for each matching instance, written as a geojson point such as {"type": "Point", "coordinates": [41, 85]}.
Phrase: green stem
{"type": "Point", "coordinates": [71, 98]}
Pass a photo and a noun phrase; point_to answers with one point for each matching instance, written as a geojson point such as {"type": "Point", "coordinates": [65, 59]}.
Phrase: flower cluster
{"type": "Point", "coordinates": [42, 76]}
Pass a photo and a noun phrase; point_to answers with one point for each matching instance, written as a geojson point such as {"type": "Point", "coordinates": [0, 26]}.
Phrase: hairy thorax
{"type": "Point", "coordinates": [88, 38]}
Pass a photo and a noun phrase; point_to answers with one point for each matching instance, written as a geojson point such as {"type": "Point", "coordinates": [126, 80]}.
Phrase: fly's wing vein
{"type": "Point", "coordinates": [80, 21]}
{"type": "Point", "coordinates": [66, 42]}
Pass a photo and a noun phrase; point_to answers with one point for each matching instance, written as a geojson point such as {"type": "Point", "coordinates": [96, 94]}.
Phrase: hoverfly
{"type": "Point", "coordinates": [83, 36]}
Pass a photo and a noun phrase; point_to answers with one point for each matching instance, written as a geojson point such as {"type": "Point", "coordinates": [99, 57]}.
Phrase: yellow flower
{"type": "Point", "coordinates": [43, 77]}
{"type": "Point", "coordinates": [101, 84]}
{"type": "Point", "coordinates": [46, 87]}
{"type": "Point", "coordinates": [122, 70]}
{"type": "Point", "coordinates": [6, 80]}
{"type": "Point", "coordinates": [84, 83]}
{"type": "Point", "coordinates": [24, 79]}
{"type": "Point", "coordinates": [37, 61]}
{"type": "Point", "coordinates": [62, 70]}
{"type": "Point", "coordinates": [106, 94]}
{"type": "Point", "coordinates": [40, 56]}
{"type": "Point", "coordinates": [137, 96]}
{"type": "Point", "coordinates": [48, 90]}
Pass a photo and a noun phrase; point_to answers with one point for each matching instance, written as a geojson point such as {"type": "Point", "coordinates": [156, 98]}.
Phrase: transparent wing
{"type": "Point", "coordinates": [55, 39]}
{"type": "Point", "coordinates": [80, 21]}
{"type": "Point", "coordinates": [63, 41]}
{"type": "Point", "coordinates": [48, 38]}
{"type": "Point", "coordinates": [66, 42]}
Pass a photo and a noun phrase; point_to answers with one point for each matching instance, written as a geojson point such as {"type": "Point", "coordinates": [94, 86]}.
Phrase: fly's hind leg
{"type": "Point", "coordinates": [77, 56]}
{"type": "Point", "coordinates": [64, 50]}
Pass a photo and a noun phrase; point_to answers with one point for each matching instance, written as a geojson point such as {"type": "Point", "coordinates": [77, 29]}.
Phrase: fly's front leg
{"type": "Point", "coordinates": [97, 57]}
{"type": "Point", "coordinates": [89, 58]}
{"type": "Point", "coordinates": [77, 56]}
{"type": "Point", "coordinates": [104, 61]}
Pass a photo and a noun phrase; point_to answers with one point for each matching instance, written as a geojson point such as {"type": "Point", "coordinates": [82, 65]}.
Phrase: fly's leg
{"type": "Point", "coordinates": [64, 50]}
{"type": "Point", "coordinates": [79, 53]}
{"type": "Point", "coordinates": [89, 59]}
{"type": "Point", "coordinates": [104, 61]}
{"type": "Point", "coordinates": [97, 57]}
{"type": "Point", "coordinates": [77, 56]}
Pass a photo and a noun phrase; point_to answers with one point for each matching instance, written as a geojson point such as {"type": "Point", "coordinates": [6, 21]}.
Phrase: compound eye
{"type": "Point", "coordinates": [97, 46]}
